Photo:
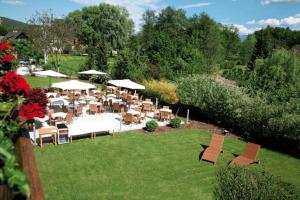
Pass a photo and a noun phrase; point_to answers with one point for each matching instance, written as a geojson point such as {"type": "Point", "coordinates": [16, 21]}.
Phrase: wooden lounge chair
{"type": "Point", "coordinates": [129, 118]}
{"type": "Point", "coordinates": [249, 156]}
{"type": "Point", "coordinates": [212, 152]}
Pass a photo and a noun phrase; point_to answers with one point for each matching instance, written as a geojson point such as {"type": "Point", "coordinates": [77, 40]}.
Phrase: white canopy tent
{"type": "Point", "coordinates": [73, 85]}
{"type": "Point", "coordinates": [92, 72]}
{"type": "Point", "coordinates": [49, 73]}
{"type": "Point", "coordinates": [126, 83]}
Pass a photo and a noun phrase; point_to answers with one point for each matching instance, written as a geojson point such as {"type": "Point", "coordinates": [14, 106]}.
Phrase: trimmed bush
{"type": "Point", "coordinates": [175, 122]}
{"type": "Point", "coordinates": [151, 126]}
{"type": "Point", "coordinates": [232, 107]}
{"type": "Point", "coordinates": [163, 90]}
{"type": "Point", "coordinates": [242, 183]}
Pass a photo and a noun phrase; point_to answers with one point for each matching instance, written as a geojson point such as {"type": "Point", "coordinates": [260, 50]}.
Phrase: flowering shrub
{"type": "Point", "coordinates": [36, 95]}
{"type": "Point", "coordinates": [31, 110]}
{"type": "Point", "coordinates": [6, 56]}
{"type": "Point", "coordinates": [163, 90]}
{"type": "Point", "coordinates": [13, 87]}
{"type": "Point", "coordinates": [14, 84]}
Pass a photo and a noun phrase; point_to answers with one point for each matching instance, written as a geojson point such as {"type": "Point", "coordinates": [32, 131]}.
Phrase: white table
{"type": "Point", "coordinates": [148, 102]}
{"type": "Point", "coordinates": [59, 115]}
{"type": "Point", "coordinates": [165, 110]}
{"type": "Point", "coordinates": [134, 112]}
{"type": "Point", "coordinates": [51, 94]}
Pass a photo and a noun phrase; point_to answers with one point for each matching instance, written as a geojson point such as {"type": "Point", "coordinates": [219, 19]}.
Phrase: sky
{"type": "Point", "coordinates": [246, 15]}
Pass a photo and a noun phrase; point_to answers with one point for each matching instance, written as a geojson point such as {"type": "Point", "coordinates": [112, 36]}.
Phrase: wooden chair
{"type": "Point", "coordinates": [93, 108]}
{"type": "Point", "coordinates": [118, 94]}
{"type": "Point", "coordinates": [147, 107]}
{"type": "Point", "coordinates": [212, 152]}
{"type": "Point", "coordinates": [165, 115]}
{"type": "Point", "coordinates": [249, 156]}
{"type": "Point", "coordinates": [79, 111]}
{"type": "Point", "coordinates": [116, 107]}
{"type": "Point", "coordinates": [129, 118]}
{"type": "Point", "coordinates": [47, 132]}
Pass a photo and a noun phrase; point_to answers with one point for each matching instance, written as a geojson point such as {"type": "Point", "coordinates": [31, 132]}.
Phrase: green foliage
{"type": "Point", "coordinates": [163, 90]}
{"type": "Point", "coordinates": [103, 28]}
{"type": "Point", "coordinates": [232, 107]}
{"type": "Point", "coordinates": [236, 73]}
{"type": "Point", "coordinates": [242, 183]}
{"type": "Point", "coordinates": [25, 50]}
{"type": "Point", "coordinates": [175, 122]}
{"type": "Point", "coordinates": [151, 126]}
{"type": "Point", "coordinates": [278, 76]}
{"type": "Point", "coordinates": [3, 30]}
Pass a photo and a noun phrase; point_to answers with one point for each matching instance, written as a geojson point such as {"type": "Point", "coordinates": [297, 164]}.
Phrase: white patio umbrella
{"type": "Point", "coordinates": [49, 73]}
{"type": "Point", "coordinates": [73, 85]}
{"type": "Point", "coordinates": [126, 83]}
{"type": "Point", "coordinates": [92, 72]}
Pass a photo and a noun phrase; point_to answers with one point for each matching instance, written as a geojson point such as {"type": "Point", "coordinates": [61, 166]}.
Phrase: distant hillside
{"type": "Point", "coordinates": [12, 25]}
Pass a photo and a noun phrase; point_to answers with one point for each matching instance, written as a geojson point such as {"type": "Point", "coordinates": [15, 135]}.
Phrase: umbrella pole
{"type": "Point", "coordinates": [73, 103]}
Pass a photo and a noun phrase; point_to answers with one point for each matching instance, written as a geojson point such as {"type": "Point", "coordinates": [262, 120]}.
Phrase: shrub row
{"type": "Point", "coordinates": [231, 107]}
{"type": "Point", "coordinates": [242, 183]}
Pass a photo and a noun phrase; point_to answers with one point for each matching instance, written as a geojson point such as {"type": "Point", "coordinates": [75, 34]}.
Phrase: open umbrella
{"type": "Point", "coordinates": [92, 72]}
{"type": "Point", "coordinates": [126, 83]}
{"type": "Point", "coordinates": [73, 85]}
{"type": "Point", "coordinates": [49, 73]}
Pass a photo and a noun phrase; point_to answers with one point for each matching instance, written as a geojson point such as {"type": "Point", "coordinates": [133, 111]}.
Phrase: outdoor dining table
{"type": "Point", "coordinates": [165, 110]}
{"type": "Point", "coordinates": [134, 112]}
{"type": "Point", "coordinates": [147, 102]}
{"type": "Point", "coordinates": [59, 115]}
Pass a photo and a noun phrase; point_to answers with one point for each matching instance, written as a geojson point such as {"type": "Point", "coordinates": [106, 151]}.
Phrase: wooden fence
{"type": "Point", "coordinates": [26, 159]}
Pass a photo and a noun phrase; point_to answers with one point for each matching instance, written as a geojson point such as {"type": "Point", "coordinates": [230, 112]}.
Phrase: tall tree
{"type": "Point", "coordinates": [41, 31]}
{"type": "Point", "coordinates": [103, 28]}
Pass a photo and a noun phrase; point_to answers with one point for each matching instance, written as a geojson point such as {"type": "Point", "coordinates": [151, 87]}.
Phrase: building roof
{"type": "Point", "coordinates": [15, 35]}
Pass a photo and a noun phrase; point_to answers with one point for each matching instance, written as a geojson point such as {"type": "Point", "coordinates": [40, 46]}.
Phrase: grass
{"type": "Point", "coordinates": [42, 82]}
{"type": "Point", "coordinates": [70, 65]}
{"type": "Point", "coordinates": [144, 166]}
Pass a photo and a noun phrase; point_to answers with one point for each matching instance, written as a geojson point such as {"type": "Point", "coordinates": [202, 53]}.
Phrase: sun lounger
{"type": "Point", "coordinates": [249, 156]}
{"type": "Point", "coordinates": [212, 152]}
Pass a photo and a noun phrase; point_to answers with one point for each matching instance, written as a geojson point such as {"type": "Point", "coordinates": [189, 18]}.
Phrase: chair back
{"type": "Point", "coordinates": [118, 94]}
{"type": "Point", "coordinates": [251, 151]}
{"type": "Point", "coordinates": [147, 106]}
{"type": "Point", "coordinates": [164, 115]}
{"type": "Point", "coordinates": [128, 118]}
{"type": "Point", "coordinates": [69, 118]}
{"type": "Point", "coordinates": [217, 141]}
{"type": "Point", "coordinates": [93, 107]}
{"type": "Point", "coordinates": [50, 112]}
{"type": "Point", "coordinates": [139, 109]}
{"type": "Point", "coordinates": [91, 93]}
{"type": "Point", "coordinates": [166, 107]}
{"type": "Point", "coordinates": [116, 107]}
{"type": "Point", "coordinates": [79, 110]}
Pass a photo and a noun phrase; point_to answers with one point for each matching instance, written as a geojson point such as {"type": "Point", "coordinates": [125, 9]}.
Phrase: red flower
{"type": "Point", "coordinates": [4, 46]}
{"type": "Point", "coordinates": [36, 95]}
{"type": "Point", "coordinates": [31, 110]}
{"type": "Point", "coordinates": [14, 84]}
{"type": "Point", "coordinates": [6, 58]}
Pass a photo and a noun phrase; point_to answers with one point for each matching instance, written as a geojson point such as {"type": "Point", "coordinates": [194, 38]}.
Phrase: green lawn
{"type": "Point", "coordinates": [70, 65]}
{"type": "Point", "coordinates": [144, 166]}
{"type": "Point", "coordinates": [42, 82]}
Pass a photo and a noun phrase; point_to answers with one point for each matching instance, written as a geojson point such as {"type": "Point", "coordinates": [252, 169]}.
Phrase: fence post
{"type": "Point", "coordinates": [187, 116]}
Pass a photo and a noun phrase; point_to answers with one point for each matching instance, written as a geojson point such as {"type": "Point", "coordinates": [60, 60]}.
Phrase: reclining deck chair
{"type": "Point", "coordinates": [212, 152]}
{"type": "Point", "coordinates": [249, 156]}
